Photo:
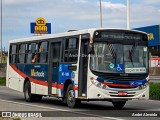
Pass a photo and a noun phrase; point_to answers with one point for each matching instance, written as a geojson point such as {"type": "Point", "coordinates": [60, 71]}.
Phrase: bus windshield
{"type": "Point", "coordinates": [119, 58]}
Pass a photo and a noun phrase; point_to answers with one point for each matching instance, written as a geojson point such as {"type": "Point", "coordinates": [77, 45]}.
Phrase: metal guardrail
{"type": "Point", "coordinates": [2, 74]}
{"type": "Point", "coordinates": [154, 79]}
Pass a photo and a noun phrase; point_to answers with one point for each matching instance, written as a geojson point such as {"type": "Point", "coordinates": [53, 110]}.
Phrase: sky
{"type": "Point", "coordinates": [67, 15]}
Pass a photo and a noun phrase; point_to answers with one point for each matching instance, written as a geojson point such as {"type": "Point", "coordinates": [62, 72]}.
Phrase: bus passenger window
{"type": "Point", "coordinates": [43, 52]}
{"type": "Point", "coordinates": [71, 50]}
{"type": "Point", "coordinates": [21, 56]}
{"type": "Point", "coordinates": [13, 53]}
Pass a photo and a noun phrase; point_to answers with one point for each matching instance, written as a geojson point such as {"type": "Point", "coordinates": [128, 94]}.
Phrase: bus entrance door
{"type": "Point", "coordinates": [83, 65]}
{"type": "Point", "coordinates": [54, 67]}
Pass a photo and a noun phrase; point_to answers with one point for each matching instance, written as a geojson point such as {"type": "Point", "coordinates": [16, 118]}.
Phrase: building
{"type": "Point", "coordinates": [154, 47]}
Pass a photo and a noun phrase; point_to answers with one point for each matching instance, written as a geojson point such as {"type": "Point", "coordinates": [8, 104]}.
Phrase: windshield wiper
{"type": "Point", "coordinates": [131, 52]}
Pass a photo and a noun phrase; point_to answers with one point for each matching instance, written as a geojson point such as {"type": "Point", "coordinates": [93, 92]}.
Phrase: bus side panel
{"type": "Point", "coordinates": [66, 74]}
{"type": "Point", "coordinates": [41, 89]}
{"type": "Point", "coordinates": [38, 75]}
{"type": "Point", "coordinates": [13, 78]}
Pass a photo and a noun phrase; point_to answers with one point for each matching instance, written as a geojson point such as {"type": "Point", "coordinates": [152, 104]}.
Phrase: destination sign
{"type": "Point", "coordinates": [120, 35]}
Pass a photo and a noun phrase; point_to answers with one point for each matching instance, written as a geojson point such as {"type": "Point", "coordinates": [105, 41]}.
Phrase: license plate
{"type": "Point", "coordinates": [122, 93]}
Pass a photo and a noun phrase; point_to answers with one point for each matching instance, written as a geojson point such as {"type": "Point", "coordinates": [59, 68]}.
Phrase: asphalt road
{"type": "Point", "coordinates": [11, 100]}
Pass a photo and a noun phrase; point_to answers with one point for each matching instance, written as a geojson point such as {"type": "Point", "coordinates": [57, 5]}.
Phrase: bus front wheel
{"type": "Point", "coordinates": [118, 104]}
{"type": "Point", "coordinates": [70, 97]}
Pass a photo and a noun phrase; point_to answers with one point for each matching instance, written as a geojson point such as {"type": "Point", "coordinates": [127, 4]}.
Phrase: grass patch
{"type": "Point", "coordinates": [16, 118]}
{"type": "Point", "coordinates": [154, 93]}
{"type": "Point", "coordinates": [3, 81]}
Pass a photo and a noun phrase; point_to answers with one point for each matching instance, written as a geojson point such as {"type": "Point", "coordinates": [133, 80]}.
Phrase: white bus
{"type": "Point", "coordinates": [93, 64]}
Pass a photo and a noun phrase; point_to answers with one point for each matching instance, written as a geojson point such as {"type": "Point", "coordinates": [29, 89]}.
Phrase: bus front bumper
{"type": "Point", "coordinates": [98, 93]}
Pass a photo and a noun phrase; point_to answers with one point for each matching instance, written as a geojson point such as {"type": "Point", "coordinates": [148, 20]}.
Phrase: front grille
{"type": "Point", "coordinates": [126, 78]}
{"type": "Point", "coordinates": [122, 87]}
{"type": "Point", "coordinates": [117, 92]}
{"type": "Point", "coordinates": [122, 96]}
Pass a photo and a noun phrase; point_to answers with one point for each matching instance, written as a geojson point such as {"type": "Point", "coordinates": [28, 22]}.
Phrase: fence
{"type": "Point", "coordinates": [3, 56]}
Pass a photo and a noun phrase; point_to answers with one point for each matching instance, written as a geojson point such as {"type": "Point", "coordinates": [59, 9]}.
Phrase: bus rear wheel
{"type": "Point", "coordinates": [118, 104]}
{"type": "Point", "coordinates": [29, 97]}
{"type": "Point", "coordinates": [72, 102]}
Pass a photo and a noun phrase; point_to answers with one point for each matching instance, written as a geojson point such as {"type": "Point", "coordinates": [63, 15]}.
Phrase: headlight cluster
{"type": "Point", "coordinates": [98, 84]}
{"type": "Point", "coordinates": [143, 86]}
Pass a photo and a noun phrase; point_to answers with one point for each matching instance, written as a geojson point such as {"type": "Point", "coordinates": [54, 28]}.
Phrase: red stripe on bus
{"type": "Point", "coordinates": [116, 85]}
{"type": "Point", "coordinates": [54, 85]}
{"type": "Point", "coordinates": [18, 71]}
{"type": "Point", "coordinates": [31, 79]}
{"type": "Point", "coordinates": [59, 86]}
{"type": "Point", "coordinates": [75, 87]}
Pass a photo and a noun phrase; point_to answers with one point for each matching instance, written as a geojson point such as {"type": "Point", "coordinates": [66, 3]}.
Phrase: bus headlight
{"type": "Point", "coordinates": [97, 83]}
{"type": "Point", "coordinates": [140, 87]}
{"type": "Point", "coordinates": [104, 87]}
{"type": "Point", "coordinates": [143, 86]}
{"type": "Point", "coordinates": [94, 81]}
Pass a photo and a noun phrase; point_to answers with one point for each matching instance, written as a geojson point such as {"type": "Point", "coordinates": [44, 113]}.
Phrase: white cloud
{"type": "Point", "coordinates": [81, 1]}
{"type": "Point", "coordinates": [113, 5]}
{"type": "Point", "coordinates": [74, 14]}
{"type": "Point", "coordinates": [151, 2]}
{"type": "Point", "coordinates": [20, 1]}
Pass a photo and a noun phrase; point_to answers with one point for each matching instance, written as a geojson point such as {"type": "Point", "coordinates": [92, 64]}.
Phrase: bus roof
{"type": "Point", "coordinates": [65, 34]}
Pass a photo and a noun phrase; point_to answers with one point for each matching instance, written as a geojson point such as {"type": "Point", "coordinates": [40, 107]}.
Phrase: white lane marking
{"type": "Point", "coordinates": [33, 105]}
{"type": "Point", "coordinates": [92, 115]}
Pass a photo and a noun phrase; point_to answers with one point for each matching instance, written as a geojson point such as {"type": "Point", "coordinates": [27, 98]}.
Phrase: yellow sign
{"type": "Point", "coordinates": [40, 21]}
{"type": "Point", "coordinates": [150, 36]}
{"type": "Point", "coordinates": [37, 73]}
{"type": "Point", "coordinates": [32, 72]}
{"type": "Point", "coordinates": [40, 26]}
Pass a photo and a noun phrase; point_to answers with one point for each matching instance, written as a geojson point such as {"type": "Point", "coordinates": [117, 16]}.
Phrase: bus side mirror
{"type": "Point", "coordinates": [90, 48]}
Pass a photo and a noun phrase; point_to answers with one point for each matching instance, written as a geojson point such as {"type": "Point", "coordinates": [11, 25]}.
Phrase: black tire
{"type": "Point", "coordinates": [64, 100]}
{"type": "Point", "coordinates": [72, 102]}
{"type": "Point", "coordinates": [118, 104]}
{"type": "Point", "coordinates": [27, 93]}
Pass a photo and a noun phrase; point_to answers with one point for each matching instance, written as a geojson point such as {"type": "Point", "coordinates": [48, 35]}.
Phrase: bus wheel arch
{"type": "Point", "coordinates": [25, 81]}
{"type": "Point", "coordinates": [67, 97]}
{"type": "Point", "coordinates": [72, 102]}
{"type": "Point", "coordinates": [29, 97]}
{"type": "Point", "coordinates": [66, 84]}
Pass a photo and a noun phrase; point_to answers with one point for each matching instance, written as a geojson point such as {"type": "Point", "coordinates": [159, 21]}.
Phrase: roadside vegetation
{"type": "Point", "coordinates": [154, 93]}
{"type": "Point", "coordinates": [2, 81]}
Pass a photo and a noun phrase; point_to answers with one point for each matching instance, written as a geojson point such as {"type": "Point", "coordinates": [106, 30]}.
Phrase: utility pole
{"type": "Point", "coordinates": [100, 13]}
{"type": "Point", "coordinates": [128, 14]}
{"type": "Point", "coordinates": [1, 54]}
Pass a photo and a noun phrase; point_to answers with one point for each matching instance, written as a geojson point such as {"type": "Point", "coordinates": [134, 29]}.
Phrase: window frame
{"type": "Point", "coordinates": [28, 51]}
{"type": "Point", "coordinates": [65, 48]}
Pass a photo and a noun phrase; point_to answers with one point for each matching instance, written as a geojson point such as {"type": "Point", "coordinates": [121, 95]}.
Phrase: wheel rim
{"type": "Point", "coordinates": [71, 96]}
{"type": "Point", "coordinates": [27, 93]}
